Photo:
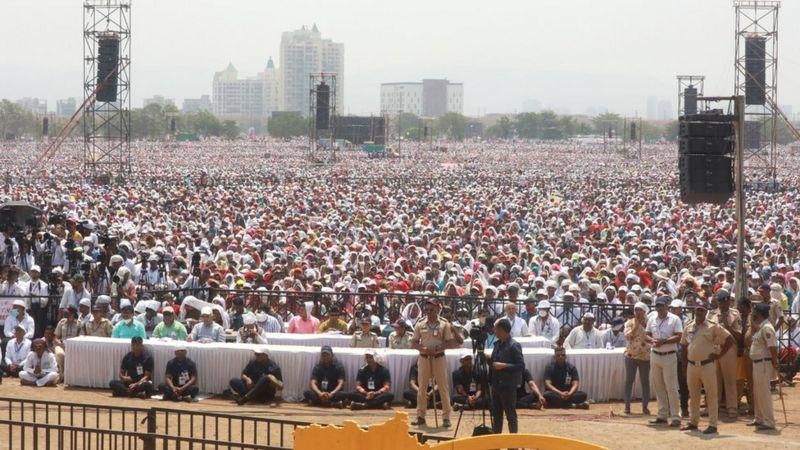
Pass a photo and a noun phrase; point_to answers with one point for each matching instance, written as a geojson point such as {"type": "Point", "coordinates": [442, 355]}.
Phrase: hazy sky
{"type": "Point", "coordinates": [568, 54]}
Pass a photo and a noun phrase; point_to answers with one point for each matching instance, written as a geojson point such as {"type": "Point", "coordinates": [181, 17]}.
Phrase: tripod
{"type": "Point", "coordinates": [481, 370]}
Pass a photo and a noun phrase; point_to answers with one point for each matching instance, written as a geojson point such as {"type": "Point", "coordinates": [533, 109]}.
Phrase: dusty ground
{"type": "Point", "coordinates": [604, 423]}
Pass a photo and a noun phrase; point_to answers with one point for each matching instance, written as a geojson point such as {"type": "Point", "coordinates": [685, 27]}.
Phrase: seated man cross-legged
{"type": "Point", "coordinates": [327, 381]}
{"type": "Point", "coordinates": [180, 379]}
{"type": "Point", "coordinates": [373, 388]}
{"type": "Point", "coordinates": [135, 373]}
{"type": "Point", "coordinates": [260, 380]}
{"type": "Point", "coordinates": [562, 383]}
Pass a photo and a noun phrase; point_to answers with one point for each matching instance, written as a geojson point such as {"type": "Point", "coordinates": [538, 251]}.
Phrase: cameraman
{"type": "Point", "coordinates": [506, 365]}
{"type": "Point", "coordinates": [9, 248]}
{"type": "Point", "coordinates": [51, 246]}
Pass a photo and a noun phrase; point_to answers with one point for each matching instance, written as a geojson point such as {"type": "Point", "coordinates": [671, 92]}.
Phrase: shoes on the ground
{"type": "Point", "coordinates": [386, 406]}
{"type": "Point", "coordinates": [419, 421]}
{"type": "Point", "coordinates": [675, 423]}
{"type": "Point", "coordinates": [762, 427]}
{"type": "Point", "coordinates": [710, 430]}
{"type": "Point", "coordinates": [457, 407]}
{"type": "Point", "coordinates": [689, 427]}
{"type": "Point", "coordinates": [645, 412]}
{"type": "Point", "coordinates": [584, 405]}
{"type": "Point", "coordinates": [657, 421]}
{"type": "Point", "coordinates": [753, 423]}
{"type": "Point", "coordinates": [355, 406]}
{"type": "Point", "coordinates": [536, 405]}
{"type": "Point", "coordinates": [446, 423]}
{"type": "Point", "coordinates": [627, 410]}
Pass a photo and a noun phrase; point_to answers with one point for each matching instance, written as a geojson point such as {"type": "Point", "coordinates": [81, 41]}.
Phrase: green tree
{"type": "Point", "coordinates": [287, 124]}
{"type": "Point", "coordinates": [608, 120]}
{"type": "Point", "coordinates": [18, 121]}
{"type": "Point", "coordinates": [230, 130]}
{"type": "Point", "coordinates": [503, 129]}
{"type": "Point", "coordinates": [528, 125]}
{"type": "Point", "coordinates": [453, 125]}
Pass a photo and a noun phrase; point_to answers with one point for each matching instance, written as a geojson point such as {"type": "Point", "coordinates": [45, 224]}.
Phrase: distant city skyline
{"type": "Point", "coordinates": [572, 56]}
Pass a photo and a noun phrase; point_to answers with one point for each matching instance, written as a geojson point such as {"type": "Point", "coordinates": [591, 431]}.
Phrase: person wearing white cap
{"type": "Point", "coordinates": [74, 293]}
{"type": "Point", "coordinates": [150, 318]}
{"type": "Point", "coordinates": [16, 351]}
{"type": "Point", "coordinates": [250, 332]}
{"type": "Point", "coordinates": [207, 330]}
{"type": "Point", "coordinates": [261, 379]}
{"type": "Point", "coordinates": [127, 327]}
{"type": "Point", "coordinates": [585, 336]}
{"type": "Point", "coordinates": [17, 316]}
{"type": "Point", "coordinates": [180, 378]}
{"type": "Point", "coordinates": [84, 311]}
{"type": "Point", "coordinates": [544, 324]}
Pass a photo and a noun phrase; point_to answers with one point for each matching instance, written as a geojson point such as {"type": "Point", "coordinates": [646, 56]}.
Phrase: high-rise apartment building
{"type": "Point", "coordinates": [428, 98]}
{"type": "Point", "coordinates": [247, 100]}
{"type": "Point", "coordinates": [304, 52]}
{"type": "Point", "coordinates": [66, 107]}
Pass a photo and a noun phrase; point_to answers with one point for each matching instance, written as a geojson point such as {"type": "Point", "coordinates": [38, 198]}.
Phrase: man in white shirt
{"type": "Point", "coordinates": [518, 326]}
{"type": "Point", "coordinates": [17, 316]}
{"type": "Point", "coordinates": [544, 324]}
{"type": "Point", "coordinates": [664, 330]}
{"type": "Point", "coordinates": [40, 368]}
{"type": "Point", "coordinates": [585, 336]}
{"type": "Point", "coordinates": [17, 350]}
{"type": "Point", "coordinates": [73, 294]}
{"type": "Point", "coordinates": [614, 337]}
{"type": "Point", "coordinates": [84, 312]}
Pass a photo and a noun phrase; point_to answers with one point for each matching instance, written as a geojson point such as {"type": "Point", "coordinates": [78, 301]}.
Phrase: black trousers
{"type": "Point", "coordinates": [555, 401]}
{"type": "Point", "coordinates": [376, 402]}
{"type": "Point", "coordinates": [262, 389]}
{"type": "Point", "coordinates": [504, 401]}
{"type": "Point", "coordinates": [120, 389]}
{"type": "Point", "coordinates": [191, 391]}
{"type": "Point", "coordinates": [462, 399]}
{"type": "Point", "coordinates": [527, 401]}
{"type": "Point", "coordinates": [313, 398]}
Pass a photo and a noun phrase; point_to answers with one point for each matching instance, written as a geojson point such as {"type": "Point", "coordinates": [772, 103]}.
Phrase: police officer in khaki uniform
{"type": "Point", "coordinates": [432, 335]}
{"type": "Point", "coordinates": [702, 343]}
{"type": "Point", "coordinates": [365, 338]}
{"type": "Point", "coordinates": [764, 354]}
{"type": "Point", "coordinates": [729, 319]}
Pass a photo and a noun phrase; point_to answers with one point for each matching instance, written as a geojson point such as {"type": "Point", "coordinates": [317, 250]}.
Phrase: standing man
{"type": "Point", "coordinates": [432, 335]}
{"type": "Point", "coordinates": [38, 292]}
{"type": "Point", "coordinates": [729, 319]}
{"type": "Point", "coordinates": [180, 379]}
{"type": "Point", "coordinates": [664, 330]}
{"type": "Point", "coordinates": [135, 373]}
{"type": "Point", "coordinates": [764, 355]}
{"type": "Point", "coordinates": [505, 366]}
{"type": "Point", "coordinates": [698, 344]}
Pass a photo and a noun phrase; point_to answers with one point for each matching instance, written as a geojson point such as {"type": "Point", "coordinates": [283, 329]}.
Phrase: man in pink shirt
{"type": "Point", "coordinates": [303, 322]}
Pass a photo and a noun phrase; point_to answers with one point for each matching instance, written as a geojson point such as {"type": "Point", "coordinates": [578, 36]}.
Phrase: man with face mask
{"type": "Point", "coordinates": [544, 324]}
{"type": "Point", "coordinates": [127, 327]}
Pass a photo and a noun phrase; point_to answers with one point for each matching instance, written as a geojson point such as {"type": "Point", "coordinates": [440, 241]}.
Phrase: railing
{"type": "Point", "coordinates": [389, 306]}
{"type": "Point", "coordinates": [34, 424]}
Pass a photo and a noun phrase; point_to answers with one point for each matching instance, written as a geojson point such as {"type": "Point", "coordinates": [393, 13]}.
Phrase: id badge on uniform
{"type": "Point", "coordinates": [435, 332]}
{"type": "Point", "coordinates": [473, 387]}
{"type": "Point", "coordinates": [430, 382]}
{"type": "Point", "coordinates": [371, 384]}
{"type": "Point", "coordinates": [139, 370]}
{"type": "Point", "coordinates": [183, 378]}
{"type": "Point", "coordinates": [689, 337]}
{"type": "Point", "coordinates": [324, 385]}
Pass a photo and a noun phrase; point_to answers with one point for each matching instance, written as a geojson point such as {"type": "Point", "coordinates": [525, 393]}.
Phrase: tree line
{"type": "Point", "coordinates": [155, 122]}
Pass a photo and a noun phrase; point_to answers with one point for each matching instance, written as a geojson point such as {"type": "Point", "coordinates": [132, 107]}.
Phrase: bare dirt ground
{"type": "Point", "coordinates": [603, 424]}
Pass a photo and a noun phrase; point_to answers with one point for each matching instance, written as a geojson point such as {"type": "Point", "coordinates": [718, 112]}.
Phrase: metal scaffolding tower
{"type": "Point", "coordinates": [106, 124]}
{"type": "Point", "coordinates": [757, 79]}
{"type": "Point", "coordinates": [686, 82]}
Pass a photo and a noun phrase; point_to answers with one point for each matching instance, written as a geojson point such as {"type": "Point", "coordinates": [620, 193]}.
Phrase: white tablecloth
{"type": "Point", "coordinates": [313, 340]}
{"type": "Point", "coordinates": [93, 362]}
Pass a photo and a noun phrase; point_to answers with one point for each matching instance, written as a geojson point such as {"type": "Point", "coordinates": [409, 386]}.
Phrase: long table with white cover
{"type": "Point", "coordinates": [93, 362]}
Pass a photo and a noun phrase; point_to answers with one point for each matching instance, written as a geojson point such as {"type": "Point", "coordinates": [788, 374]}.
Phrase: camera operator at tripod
{"type": "Point", "coordinates": [9, 247]}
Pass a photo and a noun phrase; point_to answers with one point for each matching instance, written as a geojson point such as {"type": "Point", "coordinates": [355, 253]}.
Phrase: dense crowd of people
{"type": "Point", "coordinates": [584, 245]}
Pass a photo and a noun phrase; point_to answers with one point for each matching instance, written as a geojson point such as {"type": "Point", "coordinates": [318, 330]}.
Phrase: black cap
{"type": "Point", "coordinates": [664, 300]}
{"type": "Point", "coordinates": [762, 309]}
{"type": "Point", "coordinates": [326, 349]}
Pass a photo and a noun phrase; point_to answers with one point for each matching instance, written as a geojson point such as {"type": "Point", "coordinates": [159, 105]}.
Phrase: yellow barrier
{"type": "Point", "coordinates": [393, 435]}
